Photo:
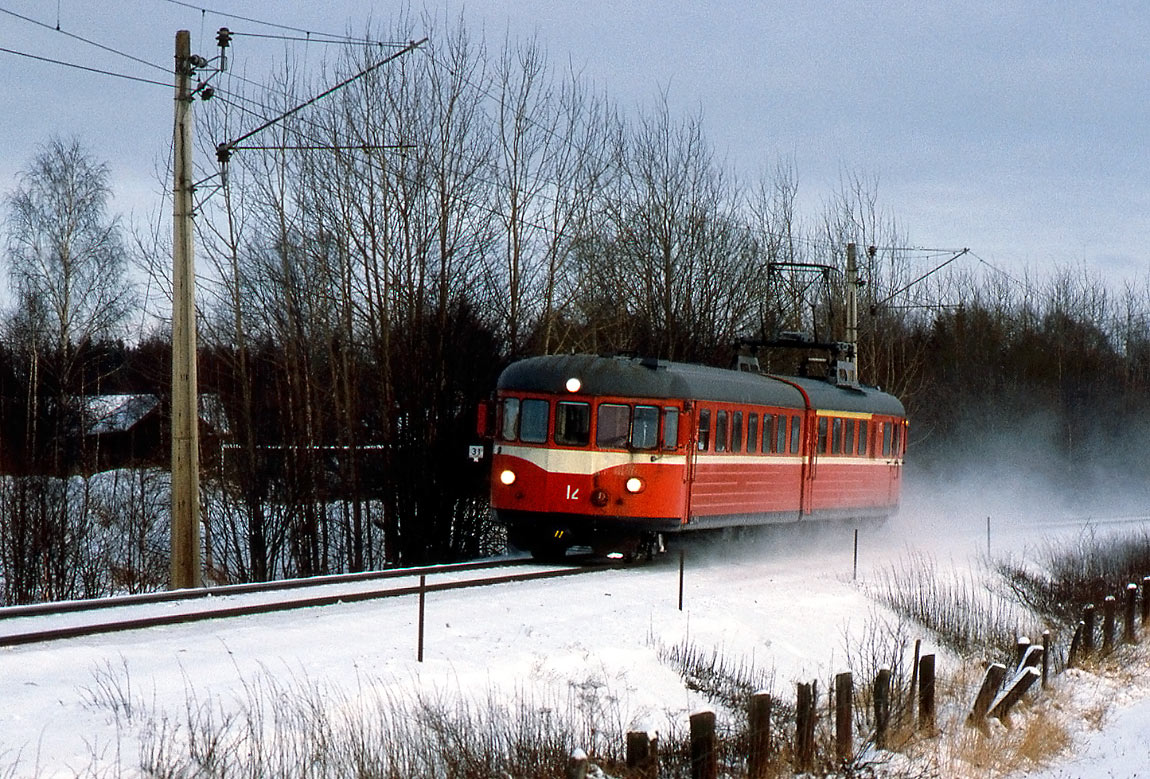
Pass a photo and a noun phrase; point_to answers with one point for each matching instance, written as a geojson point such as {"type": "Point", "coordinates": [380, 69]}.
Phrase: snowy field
{"type": "Point", "coordinates": [783, 601]}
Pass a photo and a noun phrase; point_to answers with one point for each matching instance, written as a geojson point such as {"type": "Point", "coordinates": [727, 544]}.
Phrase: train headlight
{"type": "Point", "coordinates": [507, 477]}
{"type": "Point", "coordinates": [634, 484]}
{"type": "Point", "coordinates": [573, 384]}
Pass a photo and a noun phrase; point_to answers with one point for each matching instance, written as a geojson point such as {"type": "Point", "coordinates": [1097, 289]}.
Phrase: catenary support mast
{"type": "Point", "coordinates": [185, 571]}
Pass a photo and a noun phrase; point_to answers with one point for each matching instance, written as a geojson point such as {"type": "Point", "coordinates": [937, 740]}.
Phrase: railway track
{"type": "Point", "coordinates": [40, 623]}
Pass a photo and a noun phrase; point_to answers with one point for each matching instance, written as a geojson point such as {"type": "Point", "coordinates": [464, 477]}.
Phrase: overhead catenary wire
{"type": "Point", "coordinates": [84, 67]}
{"type": "Point", "coordinates": [543, 192]}
{"type": "Point", "coordinates": [82, 39]}
{"type": "Point", "coordinates": [276, 25]}
{"type": "Point", "coordinates": [319, 38]}
{"type": "Point", "coordinates": [816, 244]}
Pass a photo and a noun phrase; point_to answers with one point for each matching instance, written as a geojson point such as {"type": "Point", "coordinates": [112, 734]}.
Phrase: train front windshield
{"type": "Point", "coordinates": [616, 425]}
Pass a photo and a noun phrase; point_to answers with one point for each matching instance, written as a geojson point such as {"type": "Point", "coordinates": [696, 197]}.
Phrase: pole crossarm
{"type": "Point", "coordinates": [223, 150]}
{"type": "Point", "coordinates": [929, 273]}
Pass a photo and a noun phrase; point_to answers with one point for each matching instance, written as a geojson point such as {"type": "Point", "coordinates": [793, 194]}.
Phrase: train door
{"type": "Point", "coordinates": [808, 446]}
{"type": "Point", "coordinates": [892, 443]}
{"type": "Point", "coordinates": [691, 442]}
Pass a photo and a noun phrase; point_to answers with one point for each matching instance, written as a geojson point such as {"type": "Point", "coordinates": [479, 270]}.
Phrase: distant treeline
{"type": "Point", "coordinates": [357, 302]}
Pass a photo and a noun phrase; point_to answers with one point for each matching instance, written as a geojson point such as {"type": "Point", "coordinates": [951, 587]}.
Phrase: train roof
{"type": "Point", "coordinates": [651, 378]}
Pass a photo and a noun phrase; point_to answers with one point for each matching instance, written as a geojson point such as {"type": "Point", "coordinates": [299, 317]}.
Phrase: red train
{"type": "Point", "coordinates": [610, 452]}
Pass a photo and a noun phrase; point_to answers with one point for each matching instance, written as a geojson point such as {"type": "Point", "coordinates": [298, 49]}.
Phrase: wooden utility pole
{"type": "Point", "coordinates": [185, 412]}
{"type": "Point", "coordinates": [852, 298]}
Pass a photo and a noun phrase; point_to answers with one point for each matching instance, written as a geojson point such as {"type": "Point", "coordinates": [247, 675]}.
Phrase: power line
{"type": "Point", "coordinates": [82, 39]}
{"type": "Point", "coordinates": [1028, 288]}
{"type": "Point", "coordinates": [276, 25]}
{"type": "Point", "coordinates": [85, 68]}
{"type": "Point", "coordinates": [317, 38]}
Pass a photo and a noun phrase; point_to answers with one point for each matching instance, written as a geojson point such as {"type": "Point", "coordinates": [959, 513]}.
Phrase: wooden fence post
{"type": "Point", "coordinates": [577, 765]}
{"type": "Point", "coordinates": [1108, 607]}
{"type": "Point", "coordinates": [1145, 601]}
{"type": "Point", "coordinates": [1020, 648]}
{"type": "Point", "coordinates": [1045, 657]}
{"type": "Point", "coordinates": [1088, 628]}
{"type": "Point", "coordinates": [760, 734]}
{"type": "Point", "coordinates": [704, 746]}
{"type": "Point", "coordinates": [805, 726]}
{"type": "Point", "coordinates": [908, 709]}
{"type": "Point", "coordinates": [1131, 601]}
{"type": "Point", "coordinates": [1018, 687]}
{"type": "Point", "coordinates": [926, 693]}
{"type": "Point", "coordinates": [643, 754]}
{"type": "Point", "coordinates": [991, 681]}
{"type": "Point", "coordinates": [844, 729]}
{"type": "Point", "coordinates": [1075, 644]}
{"type": "Point", "coordinates": [881, 707]}
{"type": "Point", "coordinates": [1032, 658]}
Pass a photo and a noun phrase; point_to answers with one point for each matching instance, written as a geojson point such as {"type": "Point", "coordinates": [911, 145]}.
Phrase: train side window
{"type": "Point", "coordinates": [737, 431]}
{"type": "Point", "coordinates": [780, 435]}
{"type": "Point", "coordinates": [753, 433]}
{"type": "Point", "coordinates": [613, 426]}
{"type": "Point", "coordinates": [886, 426]}
{"type": "Point", "coordinates": [721, 432]}
{"type": "Point", "coordinates": [794, 435]}
{"type": "Point", "coordinates": [533, 420]}
{"type": "Point", "coordinates": [822, 444]}
{"type": "Point", "coordinates": [510, 429]}
{"type": "Point", "coordinates": [848, 436]}
{"type": "Point", "coordinates": [670, 428]}
{"type": "Point", "coordinates": [768, 433]}
{"type": "Point", "coordinates": [864, 426]}
{"type": "Point", "coordinates": [704, 429]}
{"type": "Point", "coordinates": [836, 435]}
{"type": "Point", "coordinates": [572, 423]}
{"type": "Point", "coordinates": [645, 428]}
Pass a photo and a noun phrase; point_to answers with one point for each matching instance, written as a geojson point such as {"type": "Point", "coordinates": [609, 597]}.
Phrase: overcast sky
{"type": "Point", "coordinates": [1018, 129]}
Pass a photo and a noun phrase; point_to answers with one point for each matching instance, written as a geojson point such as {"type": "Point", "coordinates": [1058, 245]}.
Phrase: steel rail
{"type": "Point", "coordinates": [138, 599]}
{"type": "Point", "coordinates": [78, 631]}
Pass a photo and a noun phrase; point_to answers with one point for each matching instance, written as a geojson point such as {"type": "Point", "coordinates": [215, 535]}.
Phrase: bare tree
{"type": "Point", "coordinates": [67, 267]}
{"type": "Point", "coordinates": [66, 251]}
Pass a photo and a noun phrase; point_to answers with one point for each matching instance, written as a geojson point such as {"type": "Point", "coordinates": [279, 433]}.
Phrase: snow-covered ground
{"type": "Point", "coordinates": [784, 601]}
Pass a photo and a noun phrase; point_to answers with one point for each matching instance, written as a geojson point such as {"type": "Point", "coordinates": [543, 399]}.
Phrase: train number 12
{"type": "Point", "coordinates": [572, 493]}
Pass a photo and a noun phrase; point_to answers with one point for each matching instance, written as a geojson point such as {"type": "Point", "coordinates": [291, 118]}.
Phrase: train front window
{"type": "Point", "coordinates": [572, 423]}
{"type": "Point", "coordinates": [670, 428]}
{"type": "Point", "coordinates": [721, 431]}
{"type": "Point", "coordinates": [533, 420]}
{"type": "Point", "coordinates": [510, 429]}
{"type": "Point", "coordinates": [752, 432]}
{"type": "Point", "coordinates": [613, 425]}
{"type": "Point", "coordinates": [836, 435]}
{"type": "Point", "coordinates": [645, 429]}
{"type": "Point", "coordinates": [737, 431]}
{"type": "Point", "coordinates": [863, 427]}
{"type": "Point", "coordinates": [794, 435]}
{"type": "Point", "coordinates": [886, 429]}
